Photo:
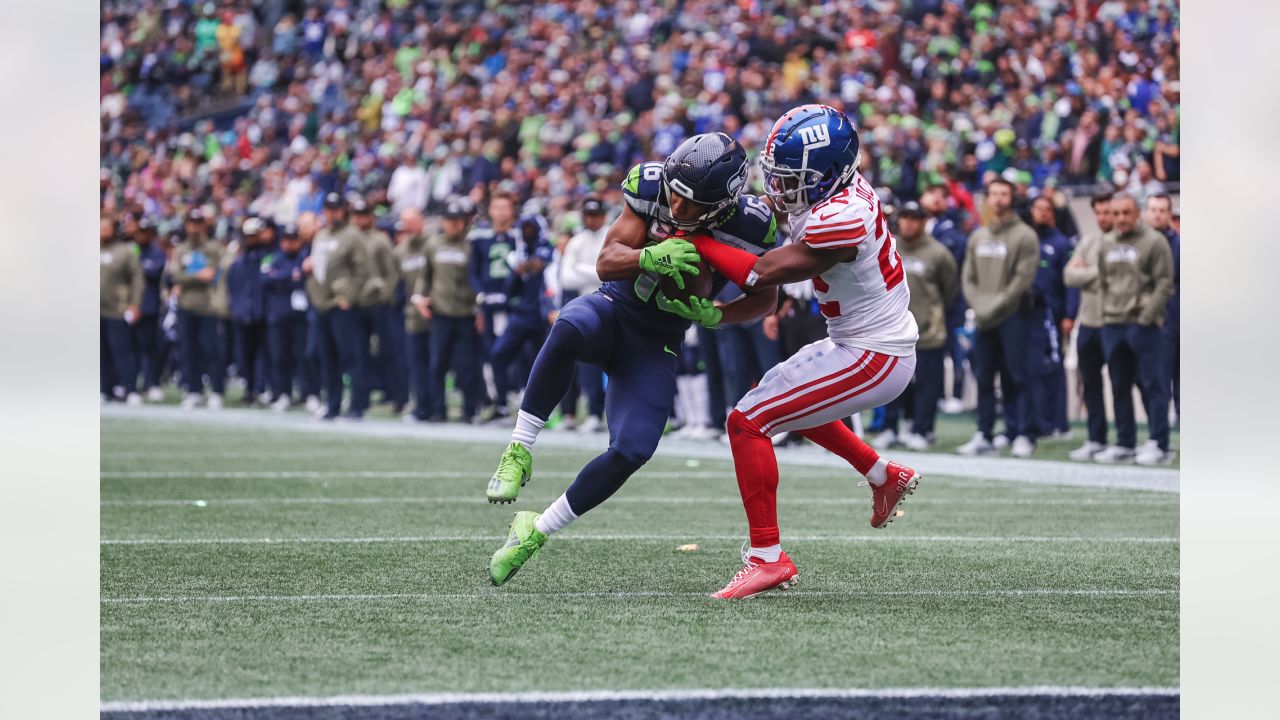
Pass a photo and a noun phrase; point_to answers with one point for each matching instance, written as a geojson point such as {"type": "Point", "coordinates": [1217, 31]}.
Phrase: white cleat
{"type": "Point", "coordinates": [1151, 455]}
{"type": "Point", "coordinates": [1114, 455]}
{"type": "Point", "coordinates": [281, 404]}
{"type": "Point", "coordinates": [155, 395]}
{"type": "Point", "coordinates": [191, 401]}
{"type": "Point", "coordinates": [568, 423]}
{"type": "Point", "coordinates": [951, 406]}
{"type": "Point", "coordinates": [1000, 442]}
{"type": "Point", "coordinates": [977, 445]}
{"type": "Point", "coordinates": [1023, 447]}
{"type": "Point", "coordinates": [912, 441]}
{"type": "Point", "coordinates": [133, 400]}
{"type": "Point", "coordinates": [591, 424]}
{"type": "Point", "coordinates": [885, 440]}
{"type": "Point", "coordinates": [1086, 451]}
{"type": "Point", "coordinates": [313, 403]}
{"type": "Point", "coordinates": [215, 402]}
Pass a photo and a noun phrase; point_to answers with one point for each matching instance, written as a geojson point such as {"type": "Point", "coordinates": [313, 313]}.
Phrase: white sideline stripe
{"type": "Point", "coordinates": [622, 595]}
{"type": "Point", "coordinates": [1035, 472]}
{"type": "Point", "coordinates": [632, 537]}
{"type": "Point", "coordinates": [1046, 691]}
{"type": "Point", "coordinates": [638, 500]}
{"type": "Point", "coordinates": [367, 474]}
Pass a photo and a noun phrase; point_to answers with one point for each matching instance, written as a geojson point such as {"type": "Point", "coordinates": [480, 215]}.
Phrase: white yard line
{"type": "Point", "coordinates": [364, 474]}
{"type": "Point", "coordinates": [686, 538]}
{"type": "Point", "coordinates": [622, 595]}
{"type": "Point", "coordinates": [579, 696]}
{"type": "Point", "coordinates": [1010, 469]}
{"type": "Point", "coordinates": [1163, 501]}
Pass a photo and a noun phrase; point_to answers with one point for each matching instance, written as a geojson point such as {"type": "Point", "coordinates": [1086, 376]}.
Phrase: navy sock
{"type": "Point", "coordinates": [601, 478]}
{"type": "Point", "coordinates": [552, 372]}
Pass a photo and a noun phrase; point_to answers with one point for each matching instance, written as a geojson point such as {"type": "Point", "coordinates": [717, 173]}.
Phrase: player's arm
{"type": "Point", "coordinates": [790, 263]}
{"type": "Point", "coordinates": [624, 254]}
{"type": "Point", "coordinates": [752, 305]}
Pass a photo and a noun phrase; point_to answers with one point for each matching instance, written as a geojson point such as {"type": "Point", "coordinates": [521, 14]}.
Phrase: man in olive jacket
{"type": "Point", "coordinates": [340, 266]}
{"type": "Point", "coordinates": [120, 285]}
{"type": "Point", "coordinates": [411, 253]}
{"type": "Point", "coordinates": [1135, 273]}
{"type": "Point", "coordinates": [999, 269]}
{"type": "Point", "coordinates": [931, 277]}
{"type": "Point", "coordinates": [1082, 272]}
{"type": "Point", "coordinates": [194, 269]}
{"type": "Point", "coordinates": [444, 294]}
{"type": "Point", "coordinates": [382, 314]}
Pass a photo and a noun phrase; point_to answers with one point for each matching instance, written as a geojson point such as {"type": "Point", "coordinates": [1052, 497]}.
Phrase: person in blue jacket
{"type": "Point", "coordinates": [525, 289]}
{"type": "Point", "coordinates": [1160, 217]}
{"type": "Point", "coordinates": [941, 223]}
{"type": "Point", "coordinates": [244, 295]}
{"type": "Point", "coordinates": [146, 332]}
{"type": "Point", "coordinates": [488, 270]}
{"type": "Point", "coordinates": [283, 283]}
{"type": "Point", "coordinates": [1050, 292]}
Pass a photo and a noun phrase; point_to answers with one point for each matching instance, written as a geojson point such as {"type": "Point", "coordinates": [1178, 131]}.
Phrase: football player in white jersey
{"type": "Point", "coordinates": [840, 239]}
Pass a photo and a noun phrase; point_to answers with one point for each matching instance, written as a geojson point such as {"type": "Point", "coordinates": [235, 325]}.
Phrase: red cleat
{"type": "Point", "coordinates": [901, 481]}
{"type": "Point", "coordinates": [758, 576]}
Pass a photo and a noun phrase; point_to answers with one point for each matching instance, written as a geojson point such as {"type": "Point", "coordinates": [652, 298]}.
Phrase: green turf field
{"type": "Point", "coordinates": [260, 562]}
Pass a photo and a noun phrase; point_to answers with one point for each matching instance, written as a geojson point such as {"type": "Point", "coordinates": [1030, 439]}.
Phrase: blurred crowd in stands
{"type": "Point", "coordinates": [251, 151]}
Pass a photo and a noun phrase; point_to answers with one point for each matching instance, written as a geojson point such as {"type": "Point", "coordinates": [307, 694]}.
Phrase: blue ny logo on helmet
{"type": "Point", "coordinates": [811, 154]}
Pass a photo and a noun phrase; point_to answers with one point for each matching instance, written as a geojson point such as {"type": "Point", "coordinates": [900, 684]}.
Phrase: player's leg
{"type": "Point", "coordinates": [638, 402]}
{"type": "Point", "coordinates": [985, 361]}
{"type": "Point", "coordinates": [1090, 361]}
{"type": "Point", "coordinates": [929, 389]}
{"type": "Point", "coordinates": [1145, 342]}
{"type": "Point", "coordinates": [816, 407]}
{"type": "Point", "coordinates": [1121, 370]}
{"type": "Point", "coordinates": [585, 329]}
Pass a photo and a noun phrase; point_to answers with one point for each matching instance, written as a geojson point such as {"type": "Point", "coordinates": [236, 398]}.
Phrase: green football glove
{"type": "Point", "coordinates": [700, 310]}
{"type": "Point", "coordinates": [671, 257]}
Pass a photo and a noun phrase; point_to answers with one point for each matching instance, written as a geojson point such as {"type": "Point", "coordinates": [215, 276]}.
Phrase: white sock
{"type": "Point", "coordinates": [527, 429]}
{"type": "Point", "coordinates": [877, 475]}
{"type": "Point", "coordinates": [555, 517]}
{"type": "Point", "coordinates": [770, 554]}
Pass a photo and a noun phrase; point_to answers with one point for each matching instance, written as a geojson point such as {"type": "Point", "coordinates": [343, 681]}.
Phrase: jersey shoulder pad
{"type": "Point", "coordinates": [642, 188]}
{"type": "Point", "coordinates": [751, 227]}
{"type": "Point", "coordinates": [844, 220]}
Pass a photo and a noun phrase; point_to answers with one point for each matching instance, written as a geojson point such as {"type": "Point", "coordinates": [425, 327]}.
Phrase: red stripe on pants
{"type": "Point", "coordinates": [818, 396]}
{"type": "Point", "coordinates": [833, 399]}
{"type": "Point", "coordinates": [800, 388]}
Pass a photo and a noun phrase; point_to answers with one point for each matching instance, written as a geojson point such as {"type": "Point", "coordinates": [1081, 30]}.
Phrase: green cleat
{"type": "Point", "coordinates": [522, 544]}
{"type": "Point", "coordinates": [514, 470]}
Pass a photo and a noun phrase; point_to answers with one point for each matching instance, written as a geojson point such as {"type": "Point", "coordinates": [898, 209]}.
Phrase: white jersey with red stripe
{"type": "Point", "coordinates": [865, 300]}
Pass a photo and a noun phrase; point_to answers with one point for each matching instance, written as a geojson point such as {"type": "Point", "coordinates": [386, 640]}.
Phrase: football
{"type": "Point", "coordinates": [694, 285]}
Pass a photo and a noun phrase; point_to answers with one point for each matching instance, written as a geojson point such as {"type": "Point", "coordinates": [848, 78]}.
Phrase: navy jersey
{"type": "Point", "coordinates": [1048, 286]}
{"type": "Point", "coordinates": [244, 285]}
{"type": "Point", "coordinates": [750, 226]}
{"type": "Point", "coordinates": [152, 259]}
{"type": "Point", "coordinates": [283, 285]}
{"type": "Point", "coordinates": [488, 268]}
{"type": "Point", "coordinates": [525, 291]}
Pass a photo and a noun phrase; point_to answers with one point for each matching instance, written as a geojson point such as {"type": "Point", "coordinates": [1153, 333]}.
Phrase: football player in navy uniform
{"type": "Point", "coordinates": [624, 329]}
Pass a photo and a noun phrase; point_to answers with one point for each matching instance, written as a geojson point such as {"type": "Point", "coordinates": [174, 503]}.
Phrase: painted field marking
{"type": "Point", "coordinates": [499, 595]}
{"type": "Point", "coordinates": [690, 537]}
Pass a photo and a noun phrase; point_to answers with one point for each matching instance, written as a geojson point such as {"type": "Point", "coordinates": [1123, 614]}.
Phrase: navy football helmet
{"type": "Point", "coordinates": [811, 154]}
{"type": "Point", "coordinates": [709, 169]}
